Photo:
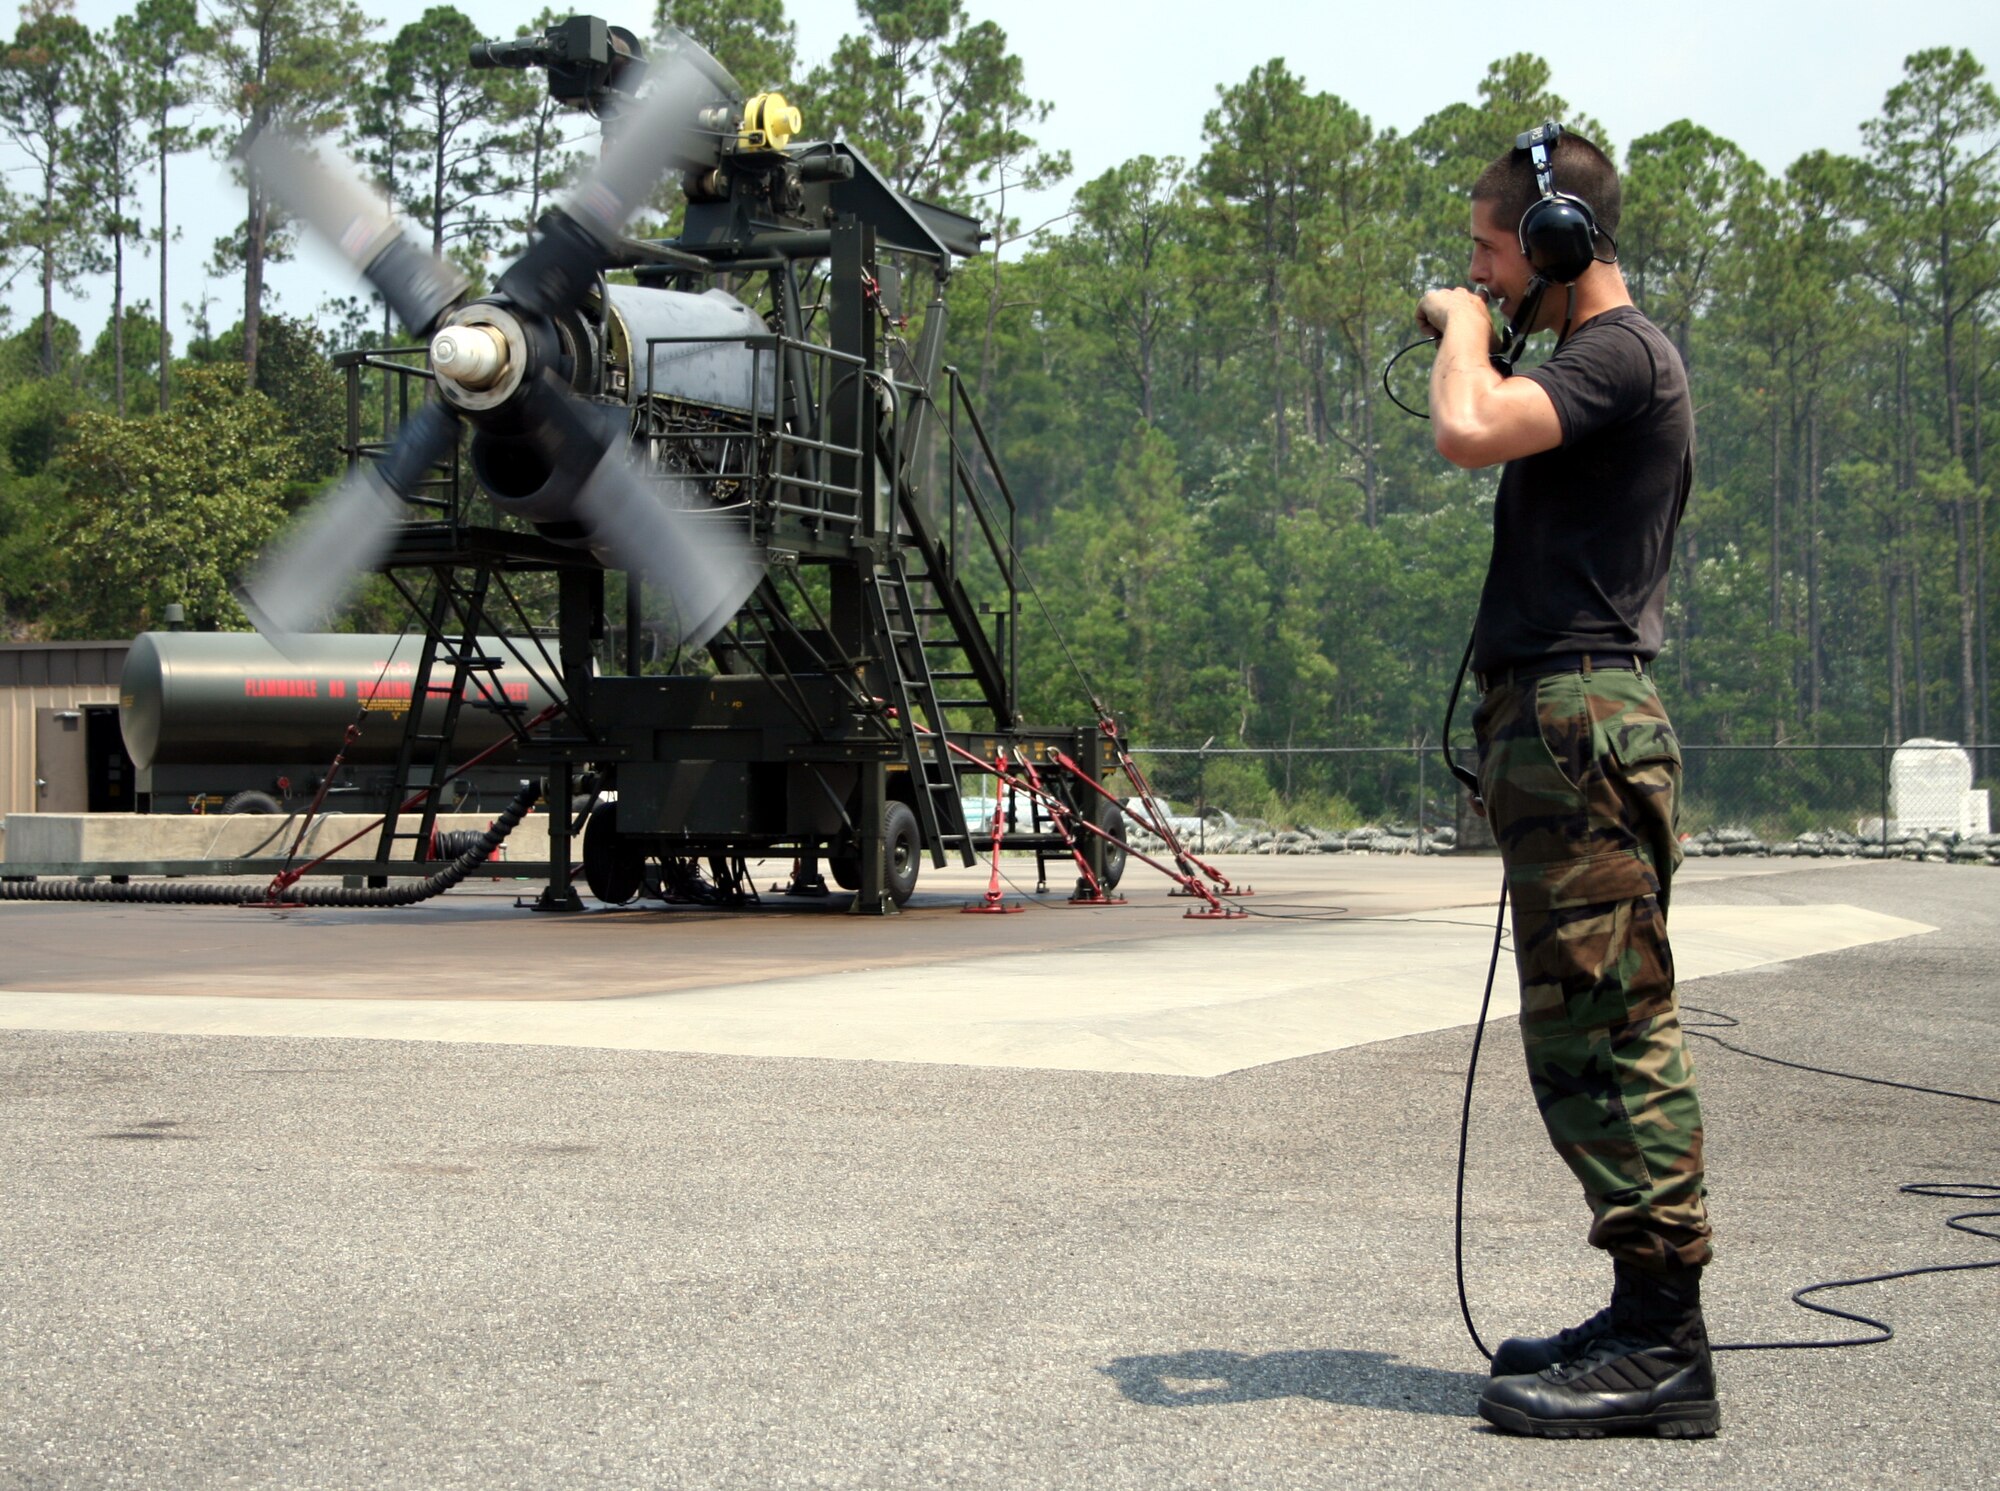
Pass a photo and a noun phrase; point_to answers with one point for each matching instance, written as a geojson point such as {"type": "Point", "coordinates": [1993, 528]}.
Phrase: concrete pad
{"type": "Point", "coordinates": [1244, 995]}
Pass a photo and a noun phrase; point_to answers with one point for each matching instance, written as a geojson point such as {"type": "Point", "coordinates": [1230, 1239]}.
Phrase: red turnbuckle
{"type": "Point", "coordinates": [993, 903]}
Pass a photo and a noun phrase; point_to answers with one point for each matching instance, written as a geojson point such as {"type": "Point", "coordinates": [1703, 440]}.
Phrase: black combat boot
{"type": "Point", "coordinates": [1647, 1371]}
{"type": "Point", "coordinates": [1528, 1354]}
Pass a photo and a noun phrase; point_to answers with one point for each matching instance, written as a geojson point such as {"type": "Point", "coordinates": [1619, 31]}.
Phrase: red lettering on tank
{"type": "Point", "coordinates": [281, 688]}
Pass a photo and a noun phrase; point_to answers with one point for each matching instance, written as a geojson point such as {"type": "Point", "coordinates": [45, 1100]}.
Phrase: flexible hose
{"type": "Point", "coordinates": [173, 893]}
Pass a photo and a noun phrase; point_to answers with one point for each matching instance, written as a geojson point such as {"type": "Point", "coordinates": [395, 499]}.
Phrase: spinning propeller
{"type": "Point", "coordinates": [496, 362]}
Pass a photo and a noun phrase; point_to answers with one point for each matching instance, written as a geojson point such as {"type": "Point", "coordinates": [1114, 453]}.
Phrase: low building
{"type": "Point", "coordinates": [60, 746]}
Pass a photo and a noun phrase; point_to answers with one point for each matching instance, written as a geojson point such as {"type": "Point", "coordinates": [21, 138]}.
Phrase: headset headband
{"type": "Point", "coordinates": [1540, 143]}
{"type": "Point", "coordinates": [1558, 232]}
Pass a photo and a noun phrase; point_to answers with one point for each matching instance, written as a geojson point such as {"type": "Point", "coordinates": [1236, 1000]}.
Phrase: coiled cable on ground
{"type": "Point", "coordinates": [174, 893]}
{"type": "Point", "coordinates": [1965, 1190]}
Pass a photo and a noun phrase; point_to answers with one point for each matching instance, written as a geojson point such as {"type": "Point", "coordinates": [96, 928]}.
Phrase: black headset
{"type": "Point", "coordinates": [1558, 232]}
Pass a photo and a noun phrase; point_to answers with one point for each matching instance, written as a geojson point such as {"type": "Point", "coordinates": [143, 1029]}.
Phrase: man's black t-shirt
{"type": "Point", "coordinates": [1582, 534]}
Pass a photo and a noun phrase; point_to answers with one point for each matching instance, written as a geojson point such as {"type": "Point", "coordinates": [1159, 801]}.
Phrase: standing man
{"type": "Point", "coordinates": [1579, 768]}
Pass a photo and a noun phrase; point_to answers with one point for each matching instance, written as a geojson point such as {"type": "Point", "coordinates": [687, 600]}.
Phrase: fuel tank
{"type": "Point", "coordinates": [200, 698]}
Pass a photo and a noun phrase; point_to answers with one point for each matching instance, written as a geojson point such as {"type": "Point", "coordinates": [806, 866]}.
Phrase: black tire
{"type": "Point", "coordinates": [1111, 818]}
{"type": "Point", "coordinates": [614, 867]}
{"type": "Point", "coordinates": [903, 848]}
{"type": "Point", "coordinates": [903, 844]}
{"type": "Point", "coordinates": [253, 802]}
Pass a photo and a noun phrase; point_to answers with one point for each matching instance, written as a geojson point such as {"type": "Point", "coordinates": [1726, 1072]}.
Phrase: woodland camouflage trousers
{"type": "Point", "coordinates": [1581, 776]}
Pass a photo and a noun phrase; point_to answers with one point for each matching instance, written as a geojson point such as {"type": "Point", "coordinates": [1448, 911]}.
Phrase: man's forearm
{"type": "Point", "coordinates": [1461, 379]}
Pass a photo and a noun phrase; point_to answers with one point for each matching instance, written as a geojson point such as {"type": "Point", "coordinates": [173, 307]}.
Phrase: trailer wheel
{"type": "Point", "coordinates": [903, 849]}
{"type": "Point", "coordinates": [614, 867]}
{"type": "Point", "coordinates": [903, 845]}
{"type": "Point", "coordinates": [1111, 818]}
{"type": "Point", "coordinates": [252, 802]}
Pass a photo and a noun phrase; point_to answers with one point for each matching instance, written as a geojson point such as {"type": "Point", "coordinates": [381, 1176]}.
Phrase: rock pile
{"type": "Point", "coordinates": [1250, 837]}
{"type": "Point", "coordinates": [1838, 843]}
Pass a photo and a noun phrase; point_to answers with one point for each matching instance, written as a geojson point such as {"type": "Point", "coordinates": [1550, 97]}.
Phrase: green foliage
{"type": "Point", "coordinates": [439, 132]}
{"type": "Point", "coordinates": [293, 373]}
{"type": "Point", "coordinates": [752, 38]}
{"type": "Point", "coordinates": [168, 508]}
{"type": "Point", "coordinates": [935, 100]}
{"type": "Point", "coordinates": [45, 74]}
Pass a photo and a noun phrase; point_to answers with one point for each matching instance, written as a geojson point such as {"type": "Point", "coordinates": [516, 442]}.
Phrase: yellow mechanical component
{"type": "Point", "coordinates": [768, 123]}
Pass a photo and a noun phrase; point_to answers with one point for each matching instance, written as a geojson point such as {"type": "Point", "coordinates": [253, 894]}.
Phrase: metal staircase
{"type": "Point", "coordinates": [451, 636]}
{"type": "Point", "coordinates": [913, 692]}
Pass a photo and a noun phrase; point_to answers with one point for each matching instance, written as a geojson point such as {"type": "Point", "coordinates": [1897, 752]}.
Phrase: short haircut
{"type": "Point", "coordinates": [1580, 170]}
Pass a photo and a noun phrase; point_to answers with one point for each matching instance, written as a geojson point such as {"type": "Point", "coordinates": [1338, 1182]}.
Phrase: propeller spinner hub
{"type": "Point", "coordinates": [471, 356]}
{"type": "Point", "coordinates": [479, 356]}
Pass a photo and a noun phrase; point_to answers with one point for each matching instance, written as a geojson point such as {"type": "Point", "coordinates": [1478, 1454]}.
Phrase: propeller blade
{"type": "Point", "coordinates": [344, 211]}
{"type": "Point", "coordinates": [318, 563]}
{"type": "Point", "coordinates": [703, 566]}
{"type": "Point", "coordinates": [665, 132]}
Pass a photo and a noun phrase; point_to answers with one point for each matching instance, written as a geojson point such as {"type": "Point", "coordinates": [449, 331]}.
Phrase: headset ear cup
{"type": "Point", "coordinates": [1559, 238]}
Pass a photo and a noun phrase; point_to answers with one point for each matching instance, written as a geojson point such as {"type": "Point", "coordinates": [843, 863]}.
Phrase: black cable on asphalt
{"type": "Point", "coordinates": [1968, 1190]}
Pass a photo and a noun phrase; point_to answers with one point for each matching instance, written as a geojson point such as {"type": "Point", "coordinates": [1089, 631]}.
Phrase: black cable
{"type": "Point", "coordinates": [1970, 1190]}
{"type": "Point", "coordinates": [1465, 1122]}
{"type": "Point", "coordinates": [1400, 353]}
{"type": "Point", "coordinates": [1730, 1022]}
{"type": "Point", "coordinates": [1973, 1190]}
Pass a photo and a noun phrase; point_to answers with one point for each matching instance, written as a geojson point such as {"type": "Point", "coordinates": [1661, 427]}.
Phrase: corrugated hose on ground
{"type": "Point", "coordinates": [174, 893]}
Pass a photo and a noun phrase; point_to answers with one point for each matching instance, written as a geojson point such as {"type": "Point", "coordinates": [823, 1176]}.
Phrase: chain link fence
{"type": "Point", "coordinates": [1919, 798]}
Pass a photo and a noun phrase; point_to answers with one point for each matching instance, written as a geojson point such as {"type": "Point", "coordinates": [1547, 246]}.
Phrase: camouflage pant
{"type": "Point", "coordinates": [1581, 773]}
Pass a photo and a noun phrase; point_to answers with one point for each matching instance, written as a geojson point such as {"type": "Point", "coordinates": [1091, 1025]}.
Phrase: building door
{"type": "Point", "coordinates": [110, 766]}
{"type": "Point", "coordinates": [62, 762]}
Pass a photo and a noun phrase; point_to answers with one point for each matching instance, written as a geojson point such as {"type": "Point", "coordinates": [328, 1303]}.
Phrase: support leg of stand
{"type": "Point", "coordinates": [559, 894]}
{"type": "Point", "coordinates": [873, 898]}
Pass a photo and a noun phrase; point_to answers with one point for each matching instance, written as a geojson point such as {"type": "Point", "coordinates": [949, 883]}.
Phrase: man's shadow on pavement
{"type": "Point", "coordinates": [1365, 1379]}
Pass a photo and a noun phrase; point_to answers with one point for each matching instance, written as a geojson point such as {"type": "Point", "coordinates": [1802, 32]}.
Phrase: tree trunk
{"type": "Point", "coordinates": [1967, 672]}
{"type": "Point", "coordinates": [166, 340]}
{"type": "Point", "coordinates": [1917, 641]}
{"type": "Point", "coordinates": [1371, 502]}
{"type": "Point", "coordinates": [48, 275]}
{"type": "Point", "coordinates": [438, 143]}
{"type": "Point", "coordinates": [1979, 550]}
{"type": "Point", "coordinates": [1777, 522]}
{"type": "Point", "coordinates": [1892, 607]}
{"type": "Point", "coordinates": [118, 316]}
{"type": "Point", "coordinates": [1280, 440]}
{"type": "Point", "coordinates": [1815, 642]}
{"type": "Point", "coordinates": [1146, 374]}
{"type": "Point", "coordinates": [1690, 563]}
{"type": "Point", "coordinates": [256, 226]}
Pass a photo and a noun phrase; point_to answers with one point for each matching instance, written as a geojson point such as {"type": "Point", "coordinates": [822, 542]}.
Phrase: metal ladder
{"type": "Point", "coordinates": [425, 755]}
{"type": "Point", "coordinates": [912, 691]}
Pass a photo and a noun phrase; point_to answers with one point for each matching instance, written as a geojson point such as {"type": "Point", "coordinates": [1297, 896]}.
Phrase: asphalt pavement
{"type": "Point", "coordinates": [324, 1262]}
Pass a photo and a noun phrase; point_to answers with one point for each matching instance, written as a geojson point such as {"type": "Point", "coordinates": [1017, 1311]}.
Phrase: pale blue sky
{"type": "Point", "coordinates": [1777, 76]}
